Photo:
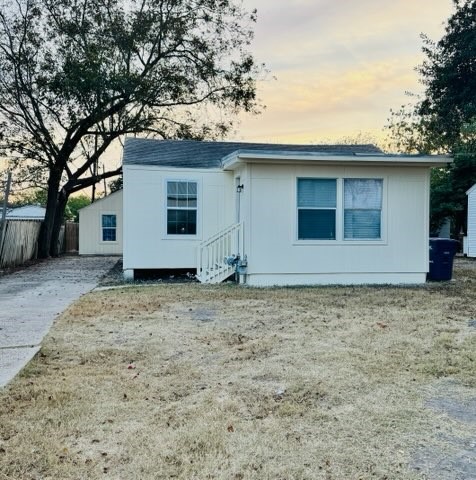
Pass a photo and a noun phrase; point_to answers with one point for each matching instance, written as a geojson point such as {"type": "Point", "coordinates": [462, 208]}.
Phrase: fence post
{"type": "Point", "coordinates": [4, 212]}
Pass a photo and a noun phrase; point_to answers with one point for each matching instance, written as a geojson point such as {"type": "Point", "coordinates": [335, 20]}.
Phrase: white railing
{"type": "Point", "coordinates": [211, 264]}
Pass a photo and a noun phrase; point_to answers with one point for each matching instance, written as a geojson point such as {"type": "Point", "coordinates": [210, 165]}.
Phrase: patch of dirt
{"type": "Point", "coordinates": [451, 453]}
{"type": "Point", "coordinates": [115, 277]}
{"type": "Point", "coordinates": [27, 264]}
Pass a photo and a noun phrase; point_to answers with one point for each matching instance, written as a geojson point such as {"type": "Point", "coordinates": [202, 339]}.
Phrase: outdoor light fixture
{"type": "Point", "coordinates": [239, 188]}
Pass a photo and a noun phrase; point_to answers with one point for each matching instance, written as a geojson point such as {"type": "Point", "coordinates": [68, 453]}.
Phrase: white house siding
{"type": "Point", "coordinates": [471, 230]}
{"type": "Point", "coordinates": [146, 243]}
{"type": "Point", "coordinates": [276, 257]}
{"type": "Point", "coordinates": [90, 227]}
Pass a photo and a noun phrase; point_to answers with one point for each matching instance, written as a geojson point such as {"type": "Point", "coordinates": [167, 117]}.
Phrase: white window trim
{"type": "Point", "coordinates": [339, 241]}
{"type": "Point", "coordinates": [336, 209]}
{"type": "Point", "coordinates": [167, 236]}
{"type": "Point", "coordinates": [107, 242]}
{"type": "Point", "coordinates": [363, 240]}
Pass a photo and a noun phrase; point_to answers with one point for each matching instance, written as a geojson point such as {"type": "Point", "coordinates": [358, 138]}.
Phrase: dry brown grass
{"type": "Point", "coordinates": [238, 383]}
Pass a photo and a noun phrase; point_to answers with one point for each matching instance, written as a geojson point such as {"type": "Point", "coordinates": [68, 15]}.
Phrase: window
{"type": "Point", "coordinates": [108, 224]}
{"type": "Point", "coordinates": [181, 208]}
{"type": "Point", "coordinates": [341, 209]}
{"type": "Point", "coordinates": [362, 208]}
{"type": "Point", "coordinates": [317, 208]}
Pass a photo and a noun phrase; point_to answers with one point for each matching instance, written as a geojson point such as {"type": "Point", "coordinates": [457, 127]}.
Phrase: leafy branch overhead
{"type": "Point", "coordinates": [444, 118]}
{"type": "Point", "coordinates": [77, 75]}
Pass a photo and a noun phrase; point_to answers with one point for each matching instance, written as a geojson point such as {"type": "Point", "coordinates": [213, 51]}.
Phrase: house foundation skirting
{"type": "Point", "coordinates": [283, 279]}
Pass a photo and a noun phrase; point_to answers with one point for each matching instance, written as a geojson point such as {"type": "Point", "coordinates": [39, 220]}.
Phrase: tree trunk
{"type": "Point", "coordinates": [46, 232]}
{"type": "Point", "coordinates": [55, 248]}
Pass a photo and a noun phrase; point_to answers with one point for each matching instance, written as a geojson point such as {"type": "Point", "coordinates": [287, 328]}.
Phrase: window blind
{"type": "Point", "coordinates": [362, 208]}
{"type": "Point", "coordinates": [317, 200]}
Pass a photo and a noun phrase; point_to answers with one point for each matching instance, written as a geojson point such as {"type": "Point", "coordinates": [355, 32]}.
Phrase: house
{"type": "Point", "coordinates": [469, 242]}
{"type": "Point", "coordinates": [279, 214]}
{"type": "Point", "coordinates": [100, 226]}
{"type": "Point", "coordinates": [27, 212]}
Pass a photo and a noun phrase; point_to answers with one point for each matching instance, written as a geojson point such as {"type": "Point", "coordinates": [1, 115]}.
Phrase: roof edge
{"type": "Point", "coordinates": [246, 156]}
{"type": "Point", "coordinates": [470, 190]}
{"type": "Point", "coordinates": [97, 200]}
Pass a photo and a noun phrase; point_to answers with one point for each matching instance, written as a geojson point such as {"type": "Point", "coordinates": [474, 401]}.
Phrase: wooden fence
{"type": "Point", "coordinates": [20, 242]}
{"type": "Point", "coordinates": [71, 237]}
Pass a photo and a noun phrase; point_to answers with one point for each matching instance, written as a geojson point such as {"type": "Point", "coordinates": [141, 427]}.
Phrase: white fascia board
{"type": "Point", "coordinates": [231, 161]}
{"type": "Point", "coordinates": [471, 189]}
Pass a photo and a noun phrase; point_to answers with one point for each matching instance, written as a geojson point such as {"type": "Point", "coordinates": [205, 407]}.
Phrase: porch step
{"type": "Point", "coordinates": [215, 275]}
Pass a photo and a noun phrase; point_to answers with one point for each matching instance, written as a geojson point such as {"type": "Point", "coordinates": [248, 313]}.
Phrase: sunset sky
{"type": "Point", "coordinates": [341, 65]}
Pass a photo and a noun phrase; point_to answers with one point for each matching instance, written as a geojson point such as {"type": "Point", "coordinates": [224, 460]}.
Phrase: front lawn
{"type": "Point", "coordinates": [223, 382]}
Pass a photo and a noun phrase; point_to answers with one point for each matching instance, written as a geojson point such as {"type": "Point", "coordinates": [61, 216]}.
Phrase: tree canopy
{"type": "Point", "coordinates": [77, 75]}
{"type": "Point", "coordinates": [449, 77]}
{"type": "Point", "coordinates": [75, 203]}
{"type": "Point", "coordinates": [443, 119]}
{"type": "Point", "coordinates": [116, 184]}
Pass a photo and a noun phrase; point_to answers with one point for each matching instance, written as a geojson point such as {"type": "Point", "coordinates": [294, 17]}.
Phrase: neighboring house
{"type": "Point", "coordinates": [27, 212]}
{"type": "Point", "coordinates": [283, 214]}
{"type": "Point", "coordinates": [100, 226]}
{"type": "Point", "coordinates": [469, 242]}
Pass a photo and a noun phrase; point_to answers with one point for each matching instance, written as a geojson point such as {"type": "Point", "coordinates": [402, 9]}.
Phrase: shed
{"type": "Point", "coordinates": [100, 226]}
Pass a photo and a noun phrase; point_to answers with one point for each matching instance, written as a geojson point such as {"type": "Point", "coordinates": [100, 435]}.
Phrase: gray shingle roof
{"type": "Point", "coordinates": [194, 154]}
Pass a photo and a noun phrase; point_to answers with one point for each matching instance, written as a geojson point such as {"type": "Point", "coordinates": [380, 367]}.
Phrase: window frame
{"type": "Point", "coordinates": [317, 208]}
{"type": "Point", "coordinates": [101, 228]}
{"type": "Point", "coordinates": [340, 240]}
{"type": "Point", "coordinates": [181, 236]}
{"type": "Point", "coordinates": [370, 240]}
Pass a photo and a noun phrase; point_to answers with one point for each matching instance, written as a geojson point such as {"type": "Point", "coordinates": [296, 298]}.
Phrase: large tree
{"type": "Point", "coordinates": [449, 77]}
{"type": "Point", "coordinates": [443, 119]}
{"type": "Point", "coordinates": [77, 75]}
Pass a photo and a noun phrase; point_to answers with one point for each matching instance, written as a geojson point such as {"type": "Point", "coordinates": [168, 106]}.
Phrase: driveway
{"type": "Point", "coordinates": [30, 300]}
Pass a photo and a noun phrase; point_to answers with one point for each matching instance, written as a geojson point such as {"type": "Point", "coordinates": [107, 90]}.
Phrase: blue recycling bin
{"type": "Point", "coordinates": [442, 252]}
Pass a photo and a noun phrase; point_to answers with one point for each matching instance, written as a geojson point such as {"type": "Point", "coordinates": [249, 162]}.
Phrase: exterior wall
{"type": "Point", "coordinates": [90, 228]}
{"type": "Point", "coordinates": [146, 243]}
{"type": "Point", "coordinates": [268, 208]}
{"type": "Point", "coordinates": [275, 256]}
{"type": "Point", "coordinates": [471, 232]}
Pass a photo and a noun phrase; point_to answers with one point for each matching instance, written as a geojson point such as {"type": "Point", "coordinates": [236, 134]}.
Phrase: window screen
{"type": "Point", "coordinates": [182, 208]}
{"type": "Point", "coordinates": [362, 208]}
{"type": "Point", "coordinates": [316, 209]}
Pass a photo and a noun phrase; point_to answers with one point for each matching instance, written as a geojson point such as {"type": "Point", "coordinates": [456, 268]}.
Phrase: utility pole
{"type": "Point", "coordinates": [95, 174]}
{"type": "Point", "coordinates": [4, 211]}
{"type": "Point", "coordinates": [105, 185]}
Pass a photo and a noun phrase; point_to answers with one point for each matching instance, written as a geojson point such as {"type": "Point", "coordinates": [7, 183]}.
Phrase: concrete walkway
{"type": "Point", "coordinates": [30, 300]}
